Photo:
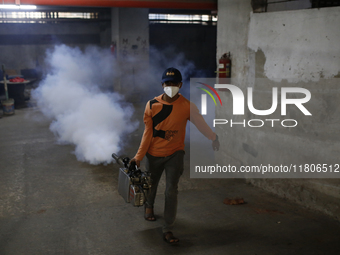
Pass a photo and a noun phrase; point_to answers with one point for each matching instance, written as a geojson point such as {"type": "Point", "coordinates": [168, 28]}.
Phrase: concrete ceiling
{"type": "Point", "coordinates": [163, 4]}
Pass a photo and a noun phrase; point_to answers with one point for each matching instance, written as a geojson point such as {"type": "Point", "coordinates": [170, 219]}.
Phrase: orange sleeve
{"type": "Point", "coordinates": [197, 119]}
{"type": "Point", "coordinates": [147, 135]}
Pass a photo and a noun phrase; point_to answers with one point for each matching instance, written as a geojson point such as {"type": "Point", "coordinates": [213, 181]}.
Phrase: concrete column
{"type": "Point", "coordinates": [232, 36]}
{"type": "Point", "coordinates": [130, 34]}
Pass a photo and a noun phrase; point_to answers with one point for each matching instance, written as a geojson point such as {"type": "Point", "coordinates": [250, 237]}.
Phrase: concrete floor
{"type": "Point", "coordinates": [52, 204]}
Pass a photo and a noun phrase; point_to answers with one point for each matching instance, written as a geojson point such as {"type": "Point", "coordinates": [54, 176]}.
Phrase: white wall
{"type": "Point", "coordinates": [301, 45]}
{"type": "Point", "coordinates": [284, 49]}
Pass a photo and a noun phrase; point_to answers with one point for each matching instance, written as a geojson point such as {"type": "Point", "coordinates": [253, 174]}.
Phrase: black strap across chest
{"type": "Point", "coordinates": [159, 117]}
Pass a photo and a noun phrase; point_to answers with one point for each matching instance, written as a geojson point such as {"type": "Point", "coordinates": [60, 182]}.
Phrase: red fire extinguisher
{"type": "Point", "coordinates": [224, 69]}
{"type": "Point", "coordinates": [224, 66]}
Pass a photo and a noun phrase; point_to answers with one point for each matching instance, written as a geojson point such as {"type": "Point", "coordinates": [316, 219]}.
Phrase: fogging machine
{"type": "Point", "coordinates": [133, 184]}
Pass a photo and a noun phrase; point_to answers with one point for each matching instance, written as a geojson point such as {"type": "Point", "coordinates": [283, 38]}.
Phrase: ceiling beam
{"type": "Point", "coordinates": [162, 4]}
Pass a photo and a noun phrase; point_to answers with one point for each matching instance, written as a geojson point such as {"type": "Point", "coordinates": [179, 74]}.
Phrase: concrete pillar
{"type": "Point", "coordinates": [232, 36]}
{"type": "Point", "coordinates": [130, 34]}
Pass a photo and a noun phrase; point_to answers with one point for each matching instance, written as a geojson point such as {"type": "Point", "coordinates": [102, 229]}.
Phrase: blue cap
{"type": "Point", "coordinates": [171, 74]}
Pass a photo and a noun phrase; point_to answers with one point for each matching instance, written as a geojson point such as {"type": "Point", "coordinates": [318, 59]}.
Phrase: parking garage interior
{"type": "Point", "coordinates": [75, 78]}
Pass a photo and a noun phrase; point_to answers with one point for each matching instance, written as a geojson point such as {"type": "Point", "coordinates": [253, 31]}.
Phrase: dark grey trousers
{"type": "Point", "coordinates": [173, 166]}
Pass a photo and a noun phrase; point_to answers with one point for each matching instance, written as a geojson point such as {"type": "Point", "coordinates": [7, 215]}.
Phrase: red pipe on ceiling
{"type": "Point", "coordinates": [175, 4]}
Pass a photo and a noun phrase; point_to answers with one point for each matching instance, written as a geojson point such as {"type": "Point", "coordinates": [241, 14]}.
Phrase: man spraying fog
{"type": "Point", "coordinates": [165, 120]}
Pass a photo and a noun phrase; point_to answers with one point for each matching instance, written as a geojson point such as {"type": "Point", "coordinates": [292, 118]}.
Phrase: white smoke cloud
{"type": "Point", "coordinates": [75, 94]}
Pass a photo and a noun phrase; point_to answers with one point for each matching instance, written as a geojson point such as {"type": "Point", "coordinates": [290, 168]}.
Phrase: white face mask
{"type": "Point", "coordinates": [171, 91]}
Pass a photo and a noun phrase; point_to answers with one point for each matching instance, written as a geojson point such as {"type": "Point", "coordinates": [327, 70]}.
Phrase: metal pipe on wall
{"type": "Point", "coordinates": [162, 4]}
